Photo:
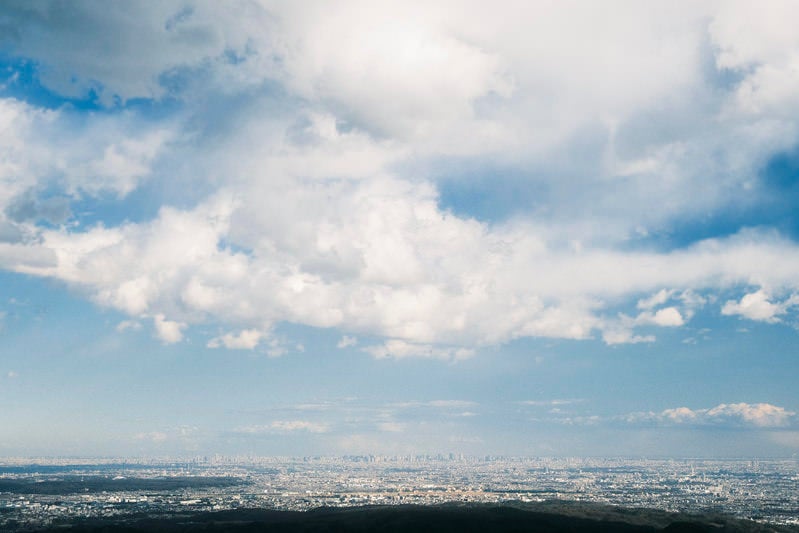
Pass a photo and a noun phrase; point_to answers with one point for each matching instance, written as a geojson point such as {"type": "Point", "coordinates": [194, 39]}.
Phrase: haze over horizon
{"type": "Point", "coordinates": [507, 228]}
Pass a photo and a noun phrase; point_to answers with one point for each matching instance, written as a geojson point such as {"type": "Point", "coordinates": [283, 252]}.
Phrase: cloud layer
{"type": "Point", "coordinates": [314, 145]}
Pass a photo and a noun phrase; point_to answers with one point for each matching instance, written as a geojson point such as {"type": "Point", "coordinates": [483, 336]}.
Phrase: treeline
{"type": "Point", "coordinates": [93, 484]}
{"type": "Point", "coordinates": [450, 518]}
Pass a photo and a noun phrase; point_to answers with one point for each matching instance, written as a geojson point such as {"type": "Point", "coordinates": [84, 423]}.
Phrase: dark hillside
{"type": "Point", "coordinates": [549, 517]}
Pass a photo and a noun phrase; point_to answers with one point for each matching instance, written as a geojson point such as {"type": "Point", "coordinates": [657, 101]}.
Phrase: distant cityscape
{"type": "Point", "coordinates": [42, 492]}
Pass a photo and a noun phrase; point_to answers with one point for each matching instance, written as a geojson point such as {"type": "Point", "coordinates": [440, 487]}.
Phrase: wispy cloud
{"type": "Point", "coordinates": [346, 341]}
{"type": "Point", "coordinates": [152, 436]}
{"type": "Point", "coordinates": [126, 325]}
{"type": "Point", "coordinates": [284, 427]}
{"type": "Point", "coordinates": [552, 403]}
{"type": "Point", "coordinates": [401, 349]}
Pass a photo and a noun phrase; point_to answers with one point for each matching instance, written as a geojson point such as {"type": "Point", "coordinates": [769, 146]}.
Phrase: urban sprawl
{"type": "Point", "coordinates": [764, 490]}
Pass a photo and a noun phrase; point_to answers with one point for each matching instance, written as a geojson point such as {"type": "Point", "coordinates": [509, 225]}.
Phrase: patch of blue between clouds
{"type": "Point", "coordinates": [494, 193]}
{"type": "Point", "coordinates": [110, 210]}
{"type": "Point", "coordinates": [19, 79]}
{"type": "Point", "coordinates": [486, 191]}
{"type": "Point", "coordinates": [772, 204]}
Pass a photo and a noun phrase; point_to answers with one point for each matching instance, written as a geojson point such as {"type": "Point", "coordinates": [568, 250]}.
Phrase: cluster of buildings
{"type": "Point", "coordinates": [765, 490]}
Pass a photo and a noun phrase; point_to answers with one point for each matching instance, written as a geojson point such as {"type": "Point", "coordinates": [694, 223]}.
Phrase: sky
{"type": "Point", "coordinates": [304, 228]}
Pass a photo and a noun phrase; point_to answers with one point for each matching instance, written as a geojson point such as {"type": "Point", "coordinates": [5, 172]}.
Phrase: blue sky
{"type": "Point", "coordinates": [399, 228]}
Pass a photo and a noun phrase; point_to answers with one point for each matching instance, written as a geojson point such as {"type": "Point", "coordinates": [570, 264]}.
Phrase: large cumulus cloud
{"type": "Point", "coordinates": [318, 134]}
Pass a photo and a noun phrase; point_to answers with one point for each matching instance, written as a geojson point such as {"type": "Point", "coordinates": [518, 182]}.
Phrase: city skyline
{"type": "Point", "coordinates": [519, 229]}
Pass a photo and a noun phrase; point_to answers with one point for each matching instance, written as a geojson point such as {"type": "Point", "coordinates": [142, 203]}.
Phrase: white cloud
{"type": "Point", "coordinates": [391, 427]}
{"type": "Point", "coordinates": [398, 54]}
{"type": "Point", "coordinates": [452, 404]}
{"type": "Point", "coordinates": [624, 336]}
{"type": "Point", "coordinates": [152, 436]}
{"type": "Point", "coordinates": [12, 374]}
{"type": "Point", "coordinates": [679, 415]}
{"type": "Point", "coordinates": [346, 341]}
{"type": "Point", "coordinates": [55, 148]}
{"type": "Point", "coordinates": [286, 426]}
{"type": "Point", "coordinates": [128, 324]}
{"type": "Point", "coordinates": [168, 331]}
{"type": "Point", "coordinates": [278, 347]}
{"type": "Point", "coordinates": [758, 415]}
{"type": "Point", "coordinates": [121, 166]}
{"type": "Point", "coordinates": [621, 330]}
{"type": "Point", "coordinates": [666, 317]}
{"type": "Point", "coordinates": [400, 349]}
{"type": "Point", "coordinates": [756, 306]}
{"type": "Point", "coordinates": [453, 281]}
{"type": "Point", "coordinates": [440, 405]}
{"type": "Point", "coordinates": [184, 433]}
{"type": "Point", "coordinates": [659, 298]}
{"type": "Point", "coordinates": [767, 53]}
{"type": "Point", "coordinates": [551, 403]}
{"type": "Point", "coordinates": [299, 425]}
{"type": "Point", "coordinates": [691, 300]}
{"type": "Point", "coordinates": [327, 213]}
{"type": "Point", "coordinates": [247, 339]}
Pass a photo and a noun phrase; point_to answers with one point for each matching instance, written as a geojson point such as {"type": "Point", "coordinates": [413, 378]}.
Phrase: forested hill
{"type": "Point", "coordinates": [548, 517]}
